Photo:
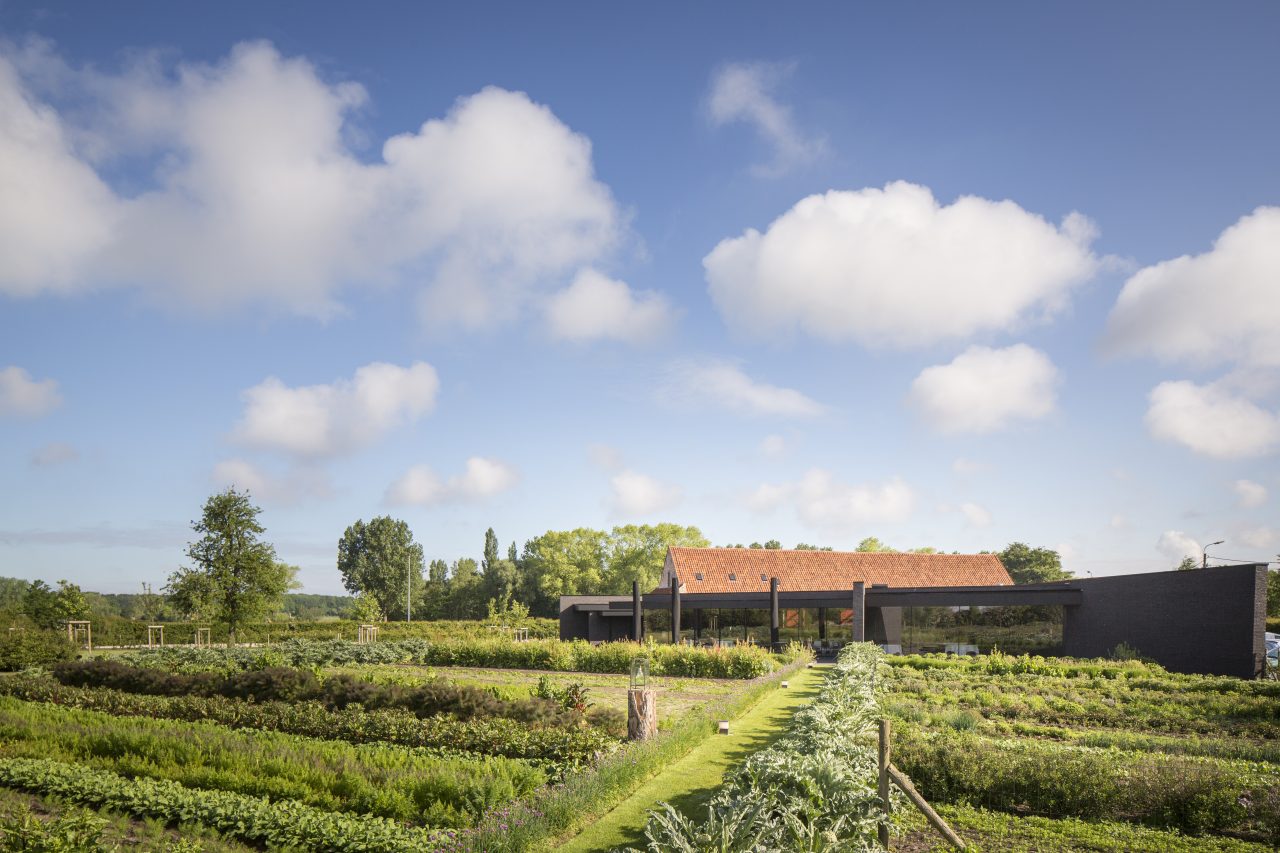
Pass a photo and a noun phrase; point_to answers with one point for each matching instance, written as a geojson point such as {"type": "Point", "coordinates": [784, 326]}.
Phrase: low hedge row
{"type": "Point", "coordinates": [566, 749]}
{"type": "Point", "coordinates": [574, 656]}
{"type": "Point", "coordinates": [32, 647]}
{"type": "Point", "coordinates": [1191, 794]}
{"type": "Point", "coordinates": [285, 824]}
{"type": "Point", "coordinates": [119, 631]}
{"type": "Point", "coordinates": [335, 692]}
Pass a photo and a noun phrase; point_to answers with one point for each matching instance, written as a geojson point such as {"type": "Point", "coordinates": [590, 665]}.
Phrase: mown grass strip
{"type": "Point", "coordinates": [690, 782]}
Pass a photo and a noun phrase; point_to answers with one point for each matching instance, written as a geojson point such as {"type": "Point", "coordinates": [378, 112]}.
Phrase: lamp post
{"type": "Point", "coordinates": [1204, 555]}
{"type": "Point", "coordinates": [408, 590]}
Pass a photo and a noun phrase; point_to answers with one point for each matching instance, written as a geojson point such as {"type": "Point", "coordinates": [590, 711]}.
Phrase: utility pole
{"type": "Point", "coordinates": [408, 589]}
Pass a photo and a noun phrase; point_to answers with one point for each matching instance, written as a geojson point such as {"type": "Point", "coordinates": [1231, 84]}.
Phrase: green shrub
{"type": "Point", "coordinates": [77, 831]}
{"type": "Point", "coordinates": [28, 647]}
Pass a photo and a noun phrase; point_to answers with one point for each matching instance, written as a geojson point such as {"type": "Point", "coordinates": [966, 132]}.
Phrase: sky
{"type": "Point", "coordinates": [947, 276]}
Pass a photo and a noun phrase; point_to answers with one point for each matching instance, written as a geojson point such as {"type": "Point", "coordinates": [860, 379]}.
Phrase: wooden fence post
{"type": "Point", "coordinates": [883, 779]}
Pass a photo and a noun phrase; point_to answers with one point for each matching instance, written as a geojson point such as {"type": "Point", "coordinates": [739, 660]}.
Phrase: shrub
{"type": "Point", "coordinates": [23, 648]}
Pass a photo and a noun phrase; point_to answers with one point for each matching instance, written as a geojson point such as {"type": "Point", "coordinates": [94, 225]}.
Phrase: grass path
{"type": "Point", "coordinates": [689, 783]}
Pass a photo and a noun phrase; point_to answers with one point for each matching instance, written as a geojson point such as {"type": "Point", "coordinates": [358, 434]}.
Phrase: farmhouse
{"type": "Point", "coordinates": [1205, 621]}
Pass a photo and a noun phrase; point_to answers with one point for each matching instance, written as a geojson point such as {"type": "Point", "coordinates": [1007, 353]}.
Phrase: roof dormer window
{"type": "Point", "coordinates": [763, 578]}
{"type": "Point", "coordinates": [698, 575]}
{"type": "Point", "coordinates": [732, 576]}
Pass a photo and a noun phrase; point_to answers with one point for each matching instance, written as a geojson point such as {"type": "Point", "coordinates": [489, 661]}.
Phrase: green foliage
{"type": "Point", "coordinates": [1032, 565]}
{"type": "Point", "coordinates": [27, 647]}
{"type": "Point", "coordinates": [366, 610]}
{"type": "Point", "coordinates": [813, 789]}
{"type": "Point", "coordinates": [1273, 599]}
{"type": "Point", "coordinates": [872, 545]}
{"type": "Point", "coordinates": [235, 577]}
{"type": "Point", "coordinates": [48, 608]}
{"type": "Point", "coordinates": [253, 819]}
{"type": "Point", "coordinates": [380, 559]}
{"type": "Point", "coordinates": [1188, 564]}
{"type": "Point", "coordinates": [78, 831]}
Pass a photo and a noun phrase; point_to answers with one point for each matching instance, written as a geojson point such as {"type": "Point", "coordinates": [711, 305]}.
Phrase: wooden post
{"type": "Point", "coordinates": [773, 614]}
{"type": "Point", "coordinates": [935, 820]}
{"type": "Point", "coordinates": [883, 783]}
{"type": "Point", "coordinates": [642, 714]}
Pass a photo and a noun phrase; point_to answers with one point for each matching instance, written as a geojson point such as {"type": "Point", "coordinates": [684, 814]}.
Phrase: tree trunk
{"type": "Point", "coordinates": [642, 714]}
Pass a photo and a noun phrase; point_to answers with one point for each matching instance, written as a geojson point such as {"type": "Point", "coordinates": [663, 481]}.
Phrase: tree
{"type": "Point", "coordinates": [501, 576]}
{"type": "Point", "coordinates": [1032, 565]}
{"type": "Point", "coordinates": [381, 559]}
{"type": "Point", "coordinates": [1187, 564]}
{"type": "Point", "coordinates": [434, 601]}
{"type": "Point", "coordinates": [805, 546]}
{"type": "Point", "coordinates": [49, 608]}
{"type": "Point", "coordinates": [235, 577]}
{"type": "Point", "coordinates": [466, 590]}
{"type": "Point", "coordinates": [872, 545]}
{"type": "Point", "coordinates": [637, 552]}
{"type": "Point", "coordinates": [562, 562]}
{"type": "Point", "coordinates": [365, 610]}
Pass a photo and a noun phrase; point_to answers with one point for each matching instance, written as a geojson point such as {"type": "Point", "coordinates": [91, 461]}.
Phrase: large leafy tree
{"type": "Point", "coordinates": [49, 608]}
{"type": "Point", "coordinates": [636, 552]}
{"type": "Point", "coordinates": [562, 562]}
{"type": "Point", "coordinates": [380, 559]}
{"type": "Point", "coordinates": [1032, 565]}
{"type": "Point", "coordinates": [501, 575]}
{"type": "Point", "coordinates": [234, 577]}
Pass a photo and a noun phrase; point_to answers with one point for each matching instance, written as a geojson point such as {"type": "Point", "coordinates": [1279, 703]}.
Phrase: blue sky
{"type": "Point", "coordinates": [946, 276]}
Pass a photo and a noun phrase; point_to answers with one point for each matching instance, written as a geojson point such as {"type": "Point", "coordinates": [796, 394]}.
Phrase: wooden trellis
{"type": "Point", "coordinates": [367, 634]}
{"type": "Point", "coordinates": [201, 637]}
{"type": "Point", "coordinates": [80, 632]}
{"type": "Point", "coordinates": [155, 636]}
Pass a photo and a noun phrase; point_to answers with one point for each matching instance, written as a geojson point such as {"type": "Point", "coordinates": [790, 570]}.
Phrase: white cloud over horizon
{"type": "Point", "coordinates": [1249, 495]}
{"type": "Point", "coordinates": [1176, 545]}
{"type": "Point", "coordinates": [894, 268]}
{"type": "Point", "coordinates": [724, 384]}
{"type": "Point", "coordinates": [319, 421]}
{"type": "Point", "coordinates": [258, 197]}
{"type": "Point", "coordinates": [296, 485]}
{"type": "Point", "coordinates": [596, 307]}
{"type": "Point", "coordinates": [482, 478]}
{"type": "Point", "coordinates": [24, 397]}
{"type": "Point", "coordinates": [824, 503]}
{"type": "Point", "coordinates": [634, 494]}
{"type": "Point", "coordinates": [1211, 420]}
{"type": "Point", "coordinates": [745, 92]}
{"type": "Point", "coordinates": [983, 390]}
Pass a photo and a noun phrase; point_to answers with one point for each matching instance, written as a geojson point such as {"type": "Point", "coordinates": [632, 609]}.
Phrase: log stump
{"type": "Point", "coordinates": [642, 714]}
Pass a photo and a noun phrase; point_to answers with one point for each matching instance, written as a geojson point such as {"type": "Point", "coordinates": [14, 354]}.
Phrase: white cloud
{"type": "Point", "coordinates": [256, 194]}
{"type": "Point", "coordinates": [743, 92]}
{"type": "Point", "coordinates": [22, 396]}
{"type": "Point", "coordinates": [481, 479]}
{"type": "Point", "coordinates": [296, 485]}
{"type": "Point", "coordinates": [1175, 545]}
{"type": "Point", "coordinates": [895, 268]}
{"type": "Point", "coordinates": [1260, 537]}
{"type": "Point", "coordinates": [326, 420]}
{"type": "Point", "coordinates": [1221, 307]}
{"type": "Point", "coordinates": [54, 453]}
{"type": "Point", "coordinates": [595, 307]}
{"type": "Point", "coordinates": [976, 515]}
{"type": "Point", "coordinates": [1249, 494]}
{"type": "Point", "coordinates": [636, 494]}
{"type": "Point", "coordinates": [985, 389]}
{"type": "Point", "coordinates": [821, 501]}
{"type": "Point", "coordinates": [1211, 420]}
{"type": "Point", "coordinates": [773, 446]}
{"type": "Point", "coordinates": [605, 456]}
{"type": "Point", "coordinates": [721, 383]}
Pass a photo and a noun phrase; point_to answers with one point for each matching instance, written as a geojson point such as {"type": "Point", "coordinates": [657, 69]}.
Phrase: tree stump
{"type": "Point", "coordinates": [642, 714]}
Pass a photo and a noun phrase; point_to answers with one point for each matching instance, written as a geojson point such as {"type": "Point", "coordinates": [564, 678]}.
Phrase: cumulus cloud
{"type": "Point", "coordinates": [1175, 545]}
{"type": "Point", "coordinates": [895, 268]}
{"type": "Point", "coordinates": [986, 389]}
{"type": "Point", "coordinates": [317, 421]}
{"type": "Point", "coordinates": [595, 307]}
{"type": "Point", "coordinates": [256, 194]}
{"type": "Point", "coordinates": [293, 486]}
{"type": "Point", "coordinates": [482, 478]}
{"type": "Point", "coordinates": [1249, 494]}
{"type": "Point", "coordinates": [724, 384]}
{"type": "Point", "coordinates": [744, 92]}
{"type": "Point", "coordinates": [636, 494]}
{"type": "Point", "coordinates": [1211, 420]}
{"type": "Point", "coordinates": [976, 515]}
{"type": "Point", "coordinates": [821, 501]}
{"type": "Point", "coordinates": [24, 397]}
{"type": "Point", "coordinates": [1220, 307]}
{"type": "Point", "coordinates": [54, 453]}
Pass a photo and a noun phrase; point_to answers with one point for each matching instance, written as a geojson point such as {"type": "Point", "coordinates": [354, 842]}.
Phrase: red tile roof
{"type": "Point", "coordinates": [824, 570]}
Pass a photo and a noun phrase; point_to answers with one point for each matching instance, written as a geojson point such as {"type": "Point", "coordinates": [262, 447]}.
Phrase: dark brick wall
{"type": "Point", "coordinates": [1207, 621]}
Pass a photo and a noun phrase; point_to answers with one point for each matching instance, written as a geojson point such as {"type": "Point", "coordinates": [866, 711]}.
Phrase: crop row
{"type": "Point", "coordinates": [331, 775]}
{"type": "Point", "coordinates": [285, 824]}
{"type": "Point", "coordinates": [813, 789]}
{"type": "Point", "coordinates": [567, 749]}
{"type": "Point", "coordinates": [574, 656]}
{"type": "Point", "coordinates": [117, 631]}
{"type": "Point", "coordinates": [286, 684]}
{"type": "Point", "coordinates": [1192, 794]}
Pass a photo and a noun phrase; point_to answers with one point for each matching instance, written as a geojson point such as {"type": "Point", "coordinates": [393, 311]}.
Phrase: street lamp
{"type": "Point", "coordinates": [1204, 555]}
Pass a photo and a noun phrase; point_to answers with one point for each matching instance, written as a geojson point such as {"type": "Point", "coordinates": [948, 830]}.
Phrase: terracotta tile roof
{"type": "Point", "coordinates": [710, 569]}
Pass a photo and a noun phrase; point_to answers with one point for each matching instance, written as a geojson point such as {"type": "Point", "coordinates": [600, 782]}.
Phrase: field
{"type": "Point", "coordinates": [329, 745]}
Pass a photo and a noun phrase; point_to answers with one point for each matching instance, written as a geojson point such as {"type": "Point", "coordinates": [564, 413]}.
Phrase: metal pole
{"type": "Point", "coordinates": [408, 590]}
{"type": "Point", "coordinates": [675, 610]}
{"type": "Point", "coordinates": [773, 614]}
{"type": "Point", "coordinates": [637, 615]}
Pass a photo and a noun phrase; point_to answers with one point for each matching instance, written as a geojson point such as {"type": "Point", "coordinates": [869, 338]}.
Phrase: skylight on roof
{"type": "Point", "coordinates": [698, 575]}
{"type": "Point", "coordinates": [763, 578]}
{"type": "Point", "coordinates": [732, 576]}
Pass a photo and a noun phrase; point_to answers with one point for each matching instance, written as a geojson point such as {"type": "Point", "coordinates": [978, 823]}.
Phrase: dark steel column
{"type": "Point", "coordinates": [675, 609]}
{"type": "Point", "coordinates": [697, 623]}
{"type": "Point", "coordinates": [773, 613]}
{"type": "Point", "coordinates": [822, 623]}
{"type": "Point", "coordinates": [637, 614]}
{"type": "Point", "coordinates": [859, 612]}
